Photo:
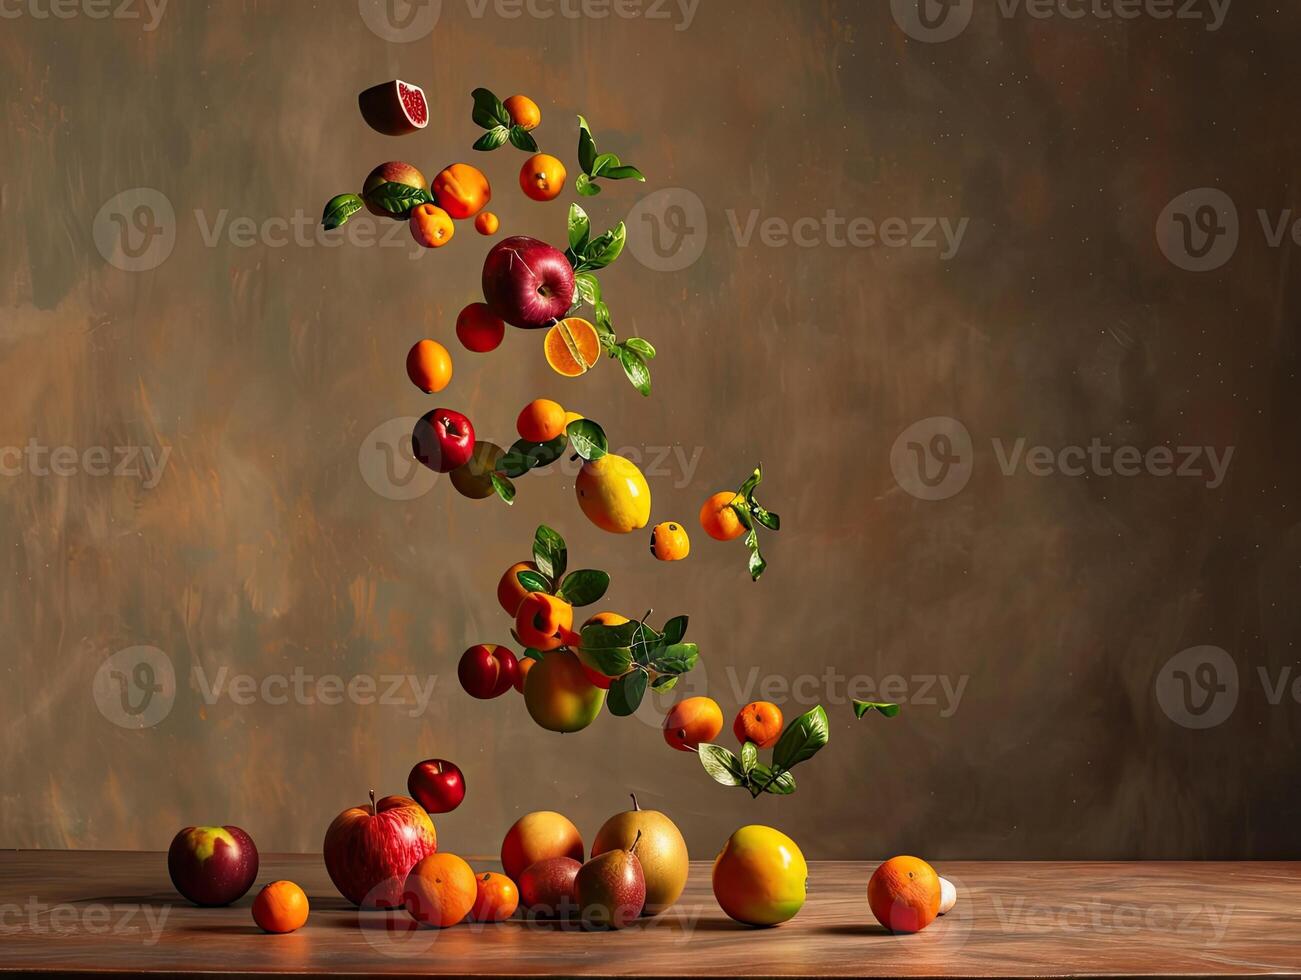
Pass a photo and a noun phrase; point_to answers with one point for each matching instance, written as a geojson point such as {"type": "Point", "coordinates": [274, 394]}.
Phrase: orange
{"type": "Point", "coordinates": [541, 420]}
{"type": "Point", "coordinates": [510, 594]}
{"type": "Point", "coordinates": [542, 177]}
{"type": "Point", "coordinates": [431, 226]}
{"type": "Point", "coordinates": [524, 112]}
{"type": "Point", "coordinates": [718, 519]}
{"type": "Point", "coordinates": [479, 329]}
{"type": "Point", "coordinates": [691, 722]}
{"type": "Point", "coordinates": [759, 722]}
{"type": "Point", "coordinates": [669, 541]}
{"type": "Point", "coordinates": [572, 346]}
{"type": "Point", "coordinates": [429, 366]}
{"type": "Point", "coordinates": [486, 223]}
{"type": "Point", "coordinates": [280, 907]}
{"type": "Point", "coordinates": [497, 898]}
{"type": "Point", "coordinates": [904, 894]}
{"type": "Point", "coordinates": [440, 890]}
{"type": "Point", "coordinates": [524, 665]}
{"type": "Point", "coordinates": [461, 190]}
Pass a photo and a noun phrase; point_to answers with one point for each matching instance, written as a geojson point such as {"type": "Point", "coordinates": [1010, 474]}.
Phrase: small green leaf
{"type": "Point", "coordinates": [603, 161]}
{"type": "Point", "coordinates": [768, 519]}
{"type": "Point", "coordinates": [586, 147]}
{"type": "Point", "coordinates": [626, 693]}
{"type": "Point", "coordinates": [625, 172]}
{"type": "Point", "coordinates": [884, 707]}
{"type": "Point", "coordinates": [584, 587]}
{"type": "Point", "coordinates": [749, 757]}
{"type": "Point", "coordinates": [665, 683]}
{"type": "Point", "coordinates": [802, 739]}
{"type": "Point", "coordinates": [764, 780]}
{"type": "Point", "coordinates": [602, 323]}
{"type": "Point", "coordinates": [677, 658]}
{"type": "Point", "coordinates": [585, 187]}
{"type": "Point", "coordinates": [751, 482]}
{"type": "Point", "coordinates": [532, 654]}
{"type": "Point", "coordinates": [675, 629]}
{"type": "Point", "coordinates": [397, 198]}
{"type": "Point", "coordinates": [598, 636]}
{"type": "Point", "coordinates": [605, 248]}
{"type": "Point", "coordinates": [610, 661]}
{"type": "Point", "coordinates": [504, 488]}
{"type": "Point", "coordinates": [757, 563]}
{"type": "Point", "coordinates": [549, 553]}
{"type": "Point", "coordinates": [492, 139]}
{"type": "Point", "coordinates": [339, 209]}
{"type": "Point", "coordinates": [524, 455]}
{"type": "Point", "coordinates": [522, 139]}
{"type": "Point", "coordinates": [642, 347]}
{"type": "Point", "coordinates": [635, 368]}
{"type": "Point", "coordinates": [647, 644]}
{"type": "Point", "coordinates": [722, 766]}
{"type": "Point", "coordinates": [588, 287]}
{"type": "Point", "coordinates": [489, 112]}
{"type": "Point", "coordinates": [533, 581]}
{"type": "Point", "coordinates": [588, 439]}
{"type": "Point", "coordinates": [580, 227]}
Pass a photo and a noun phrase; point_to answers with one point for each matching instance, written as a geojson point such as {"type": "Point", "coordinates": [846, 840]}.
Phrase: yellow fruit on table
{"type": "Point", "coordinates": [661, 851]}
{"type": "Point", "coordinates": [760, 876]}
{"type": "Point", "coordinates": [613, 494]}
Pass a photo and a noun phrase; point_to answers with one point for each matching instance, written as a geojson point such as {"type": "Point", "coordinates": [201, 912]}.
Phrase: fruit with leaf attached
{"type": "Point", "coordinates": [473, 478]}
{"type": "Point", "coordinates": [394, 108]}
{"type": "Point", "coordinates": [487, 670]}
{"type": "Point", "coordinates": [497, 898]}
{"type": "Point", "coordinates": [392, 172]}
{"type": "Point", "coordinates": [431, 226]}
{"type": "Point", "coordinates": [692, 721]}
{"type": "Point", "coordinates": [611, 887]}
{"type": "Point", "coordinates": [212, 865]}
{"type": "Point", "coordinates": [669, 541]}
{"type": "Point", "coordinates": [594, 675]}
{"type": "Point", "coordinates": [718, 519]}
{"type": "Point", "coordinates": [510, 594]}
{"type": "Point", "coordinates": [547, 888]}
{"type": "Point", "coordinates": [486, 223]}
{"type": "Point", "coordinates": [523, 111]}
{"type": "Point", "coordinates": [461, 190]}
{"type": "Point", "coordinates": [613, 494]}
{"type": "Point", "coordinates": [280, 907]}
{"type": "Point", "coordinates": [542, 177]}
{"type": "Point", "coordinates": [437, 785]}
{"type": "Point", "coordinates": [904, 894]}
{"type": "Point", "coordinates": [527, 282]}
{"type": "Point", "coordinates": [429, 366]}
{"type": "Point", "coordinates": [544, 622]}
{"type": "Point", "coordinates": [369, 849]}
{"type": "Point", "coordinates": [541, 420]}
{"type": "Point", "coordinates": [558, 695]}
{"type": "Point", "coordinates": [760, 876]}
{"type": "Point", "coordinates": [572, 347]}
{"type": "Point", "coordinates": [443, 440]}
{"type": "Point", "coordinates": [661, 851]}
{"type": "Point", "coordinates": [479, 329]}
{"type": "Point", "coordinates": [759, 722]}
{"type": "Point", "coordinates": [440, 890]}
{"type": "Point", "coordinates": [536, 836]}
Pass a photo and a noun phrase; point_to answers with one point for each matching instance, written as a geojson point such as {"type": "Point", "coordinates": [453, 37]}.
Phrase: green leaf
{"type": "Point", "coordinates": [339, 209]}
{"type": "Point", "coordinates": [505, 489]}
{"type": "Point", "coordinates": [585, 187]}
{"type": "Point", "coordinates": [749, 757]}
{"type": "Point", "coordinates": [549, 553]}
{"type": "Point", "coordinates": [802, 739]}
{"type": "Point", "coordinates": [588, 439]}
{"type": "Point", "coordinates": [665, 683]}
{"type": "Point", "coordinates": [884, 707]}
{"type": "Point", "coordinates": [586, 148]}
{"type": "Point", "coordinates": [765, 780]}
{"type": "Point", "coordinates": [626, 693]}
{"type": "Point", "coordinates": [580, 227]}
{"type": "Point", "coordinates": [588, 287]}
{"type": "Point", "coordinates": [397, 198]}
{"type": "Point", "coordinates": [768, 519]}
{"type": "Point", "coordinates": [598, 636]}
{"type": "Point", "coordinates": [610, 661]}
{"type": "Point", "coordinates": [492, 139]}
{"type": "Point", "coordinates": [675, 629]}
{"type": "Point", "coordinates": [488, 110]}
{"type": "Point", "coordinates": [602, 322]}
{"type": "Point", "coordinates": [533, 581]}
{"type": "Point", "coordinates": [757, 563]}
{"type": "Point", "coordinates": [532, 654]}
{"type": "Point", "coordinates": [603, 161]}
{"type": "Point", "coordinates": [625, 172]}
{"type": "Point", "coordinates": [751, 482]}
{"type": "Point", "coordinates": [677, 658]}
{"type": "Point", "coordinates": [641, 346]}
{"type": "Point", "coordinates": [635, 368]}
{"type": "Point", "coordinates": [647, 644]}
{"type": "Point", "coordinates": [584, 587]}
{"type": "Point", "coordinates": [522, 139]}
{"type": "Point", "coordinates": [722, 766]}
{"type": "Point", "coordinates": [606, 247]}
{"type": "Point", "coordinates": [513, 464]}
{"type": "Point", "coordinates": [524, 455]}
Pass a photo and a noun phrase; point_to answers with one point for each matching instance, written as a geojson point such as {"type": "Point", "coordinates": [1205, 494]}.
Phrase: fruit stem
{"type": "Point", "coordinates": [635, 841]}
{"type": "Point", "coordinates": [373, 812]}
{"type": "Point", "coordinates": [635, 805]}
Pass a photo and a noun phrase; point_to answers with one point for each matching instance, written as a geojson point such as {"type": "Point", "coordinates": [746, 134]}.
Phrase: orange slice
{"type": "Point", "coordinates": [572, 347]}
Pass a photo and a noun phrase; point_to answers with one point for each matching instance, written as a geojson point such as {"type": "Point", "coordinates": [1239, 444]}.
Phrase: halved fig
{"type": "Point", "coordinates": [394, 108]}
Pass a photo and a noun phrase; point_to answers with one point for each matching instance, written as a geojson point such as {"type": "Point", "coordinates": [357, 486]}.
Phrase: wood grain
{"type": "Point", "coordinates": [83, 913]}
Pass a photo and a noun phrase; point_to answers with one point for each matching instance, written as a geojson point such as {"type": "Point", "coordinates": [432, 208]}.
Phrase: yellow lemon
{"type": "Point", "coordinates": [760, 876]}
{"type": "Point", "coordinates": [613, 494]}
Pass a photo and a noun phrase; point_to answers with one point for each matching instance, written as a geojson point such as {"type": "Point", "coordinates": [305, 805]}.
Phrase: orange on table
{"type": "Point", "coordinates": [479, 329]}
{"type": "Point", "coordinates": [904, 894]}
{"type": "Point", "coordinates": [541, 420]}
{"type": "Point", "coordinates": [669, 541]}
{"type": "Point", "coordinates": [510, 594]}
{"type": "Point", "coordinates": [572, 346]}
{"type": "Point", "coordinates": [523, 111]}
{"type": "Point", "coordinates": [692, 721]}
{"type": "Point", "coordinates": [440, 890]}
{"type": "Point", "coordinates": [718, 519]}
{"type": "Point", "coordinates": [280, 907]}
{"type": "Point", "coordinates": [429, 366]}
{"type": "Point", "coordinates": [497, 897]}
{"type": "Point", "coordinates": [759, 722]}
{"type": "Point", "coordinates": [542, 177]}
{"type": "Point", "coordinates": [486, 223]}
{"type": "Point", "coordinates": [461, 190]}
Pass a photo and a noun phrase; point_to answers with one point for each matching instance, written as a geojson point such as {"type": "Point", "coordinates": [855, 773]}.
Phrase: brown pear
{"type": "Point", "coordinates": [662, 852]}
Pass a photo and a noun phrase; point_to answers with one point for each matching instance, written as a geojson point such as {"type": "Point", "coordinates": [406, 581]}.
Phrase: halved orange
{"type": "Point", "coordinates": [572, 347]}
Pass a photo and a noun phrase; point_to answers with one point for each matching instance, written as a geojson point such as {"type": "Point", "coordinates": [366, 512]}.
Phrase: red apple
{"type": "Point", "coordinates": [487, 671]}
{"type": "Point", "coordinates": [370, 849]}
{"type": "Point", "coordinates": [437, 785]}
{"type": "Point", "coordinates": [393, 172]}
{"type": "Point", "coordinates": [212, 865]}
{"type": "Point", "coordinates": [527, 282]}
{"type": "Point", "coordinates": [443, 440]}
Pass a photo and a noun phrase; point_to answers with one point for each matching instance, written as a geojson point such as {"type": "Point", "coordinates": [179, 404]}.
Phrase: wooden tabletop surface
{"type": "Point", "coordinates": [88, 912]}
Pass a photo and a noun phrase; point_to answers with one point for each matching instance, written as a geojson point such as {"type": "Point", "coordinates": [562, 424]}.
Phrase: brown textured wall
{"type": "Point", "coordinates": [1033, 618]}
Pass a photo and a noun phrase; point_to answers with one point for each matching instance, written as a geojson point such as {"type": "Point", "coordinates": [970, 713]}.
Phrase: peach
{"type": "Point", "coordinates": [431, 226]}
{"type": "Point", "coordinates": [544, 622]}
{"type": "Point", "coordinates": [537, 836]}
{"type": "Point", "coordinates": [691, 722]}
{"type": "Point", "coordinates": [510, 594]}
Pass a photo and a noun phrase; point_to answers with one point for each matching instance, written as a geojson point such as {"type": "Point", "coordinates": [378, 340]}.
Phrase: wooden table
{"type": "Point", "coordinates": [91, 912]}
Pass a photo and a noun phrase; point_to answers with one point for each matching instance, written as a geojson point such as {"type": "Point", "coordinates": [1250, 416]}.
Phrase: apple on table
{"type": "Point", "coordinates": [369, 849]}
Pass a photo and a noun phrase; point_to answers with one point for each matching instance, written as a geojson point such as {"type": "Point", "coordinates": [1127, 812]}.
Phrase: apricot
{"type": "Point", "coordinates": [541, 420]}
{"type": "Point", "coordinates": [461, 190]}
{"type": "Point", "coordinates": [691, 722]}
{"type": "Point", "coordinates": [669, 541]}
{"type": "Point", "coordinates": [486, 223]}
{"type": "Point", "coordinates": [537, 836]}
{"type": "Point", "coordinates": [523, 111]}
{"type": "Point", "coordinates": [544, 622]}
{"type": "Point", "coordinates": [542, 177]}
{"type": "Point", "coordinates": [431, 226]}
{"type": "Point", "coordinates": [510, 594]}
{"type": "Point", "coordinates": [759, 722]}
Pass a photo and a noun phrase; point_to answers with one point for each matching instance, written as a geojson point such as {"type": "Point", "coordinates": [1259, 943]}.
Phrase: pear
{"type": "Point", "coordinates": [662, 852]}
{"type": "Point", "coordinates": [611, 888]}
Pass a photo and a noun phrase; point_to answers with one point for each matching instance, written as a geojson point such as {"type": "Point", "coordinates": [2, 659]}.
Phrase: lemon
{"type": "Point", "coordinates": [613, 494]}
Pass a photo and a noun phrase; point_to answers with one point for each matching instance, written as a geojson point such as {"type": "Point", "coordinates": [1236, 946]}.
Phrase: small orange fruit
{"type": "Point", "coordinates": [440, 890]}
{"type": "Point", "coordinates": [431, 226]}
{"type": "Point", "coordinates": [718, 519]}
{"type": "Point", "coordinates": [461, 190]}
{"type": "Point", "coordinates": [669, 541]}
{"type": "Point", "coordinates": [486, 223]}
{"type": "Point", "coordinates": [510, 594]}
{"type": "Point", "coordinates": [572, 346]}
{"type": "Point", "coordinates": [759, 722]}
{"type": "Point", "coordinates": [479, 329]}
{"type": "Point", "coordinates": [280, 907]}
{"type": "Point", "coordinates": [541, 421]}
{"type": "Point", "coordinates": [524, 112]}
{"type": "Point", "coordinates": [497, 897]}
{"type": "Point", "coordinates": [523, 666]}
{"type": "Point", "coordinates": [429, 366]}
{"type": "Point", "coordinates": [691, 722]}
{"type": "Point", "coordinates": [904, 894]}
{"type": "Point", "coordinates": [542, 177]}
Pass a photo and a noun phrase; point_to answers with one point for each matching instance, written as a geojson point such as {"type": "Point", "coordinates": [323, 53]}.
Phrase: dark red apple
{"type": "Point", "coordinates": [370, 848]}
{"type": "Point", "coordinates": [527, 282]}
{"type": "Point", "coordinates": [437, 785]}
{"type": "Point", "coordinates": [487, 671]}
{"type": "Point", "coordinates": [394, 108]}
{"type": "Point", "coordinates": [443, 440]}
{"type": "Point", "coordinates": [548, 890]}
{"type": "Point", "coordinates": [212, 865]}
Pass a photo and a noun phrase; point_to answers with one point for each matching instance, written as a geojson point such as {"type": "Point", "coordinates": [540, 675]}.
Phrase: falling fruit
{"type": "Point", "coordinates": [572, 347]}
